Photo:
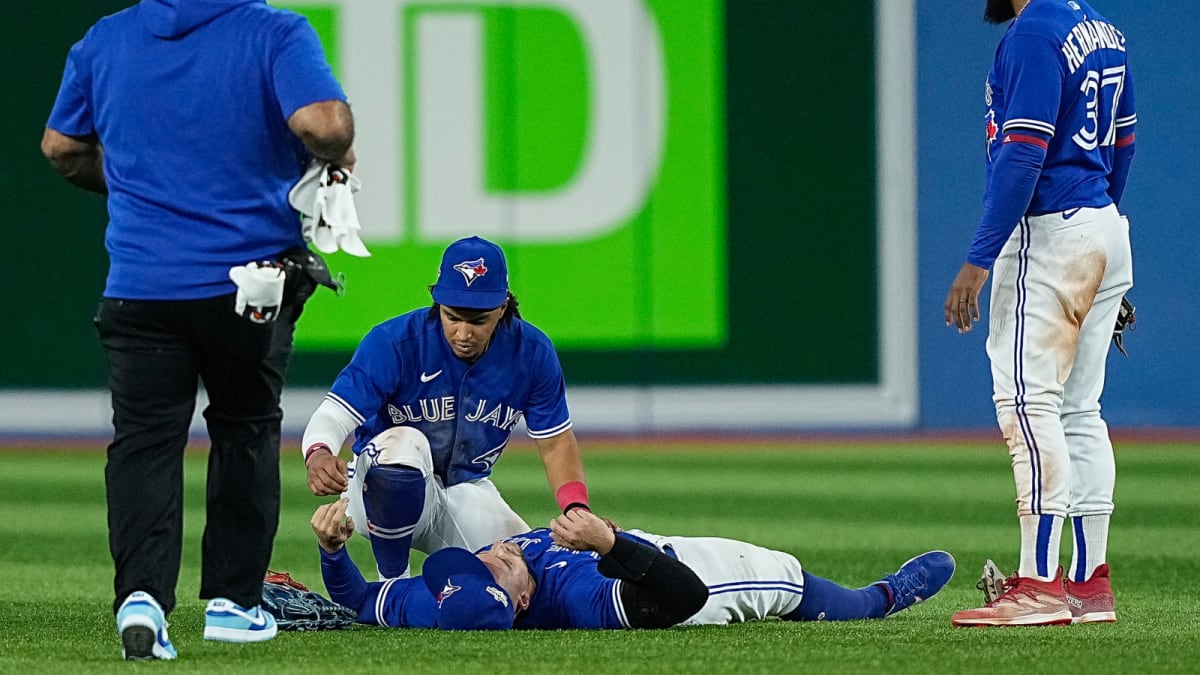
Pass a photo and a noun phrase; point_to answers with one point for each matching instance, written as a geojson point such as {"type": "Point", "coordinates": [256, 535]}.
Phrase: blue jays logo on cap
{"type": "Point", "coordinates": [473, 275]}
{"type": "Point", "coordinates": [468, 597]}
{"type": "Point", "coordinates": [448, 590]}
{"type": "Point", "coordinates": [471, 269]}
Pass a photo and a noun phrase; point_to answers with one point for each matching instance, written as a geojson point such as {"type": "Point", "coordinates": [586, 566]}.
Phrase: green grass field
{"type": "Point", "coordinates": [849, 512]}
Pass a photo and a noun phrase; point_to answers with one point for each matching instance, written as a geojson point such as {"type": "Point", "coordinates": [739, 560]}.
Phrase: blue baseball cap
{"type": "Point", "coordinates": [468, 597]}
{"type": "Point", "coordinates": [473, 275]}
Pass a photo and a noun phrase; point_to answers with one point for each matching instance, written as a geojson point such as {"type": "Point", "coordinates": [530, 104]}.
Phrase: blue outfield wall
{"type": "Point", "coordinates": [1159, 385]}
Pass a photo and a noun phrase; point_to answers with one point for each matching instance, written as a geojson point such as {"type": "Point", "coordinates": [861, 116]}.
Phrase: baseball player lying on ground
{"type": "Point", "coordinates": [580, 573]}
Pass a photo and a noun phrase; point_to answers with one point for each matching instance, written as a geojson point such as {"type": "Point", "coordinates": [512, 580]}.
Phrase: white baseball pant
{"type": "Point", "coordinates": [1056, 289]}
{"type": "Point", "coordinates": [745, 582]}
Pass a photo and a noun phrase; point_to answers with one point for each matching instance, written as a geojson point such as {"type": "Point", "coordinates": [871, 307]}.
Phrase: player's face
{"type": "Point", "coordinates": [468, 331]}
{"type": "Point", "coordinates": [508, 566]}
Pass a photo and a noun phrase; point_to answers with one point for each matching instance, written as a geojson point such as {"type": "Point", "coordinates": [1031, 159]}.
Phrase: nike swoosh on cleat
{"type": "Point", "coordinates": [258, 621]}
{"type": "Point", "coordinates": [426, 378]}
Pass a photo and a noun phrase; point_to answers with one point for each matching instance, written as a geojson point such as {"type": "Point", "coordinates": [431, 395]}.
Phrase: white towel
{"type": "Point", "coordinates": [324, 196]}
{"type": "Point", "coordinates": [260, 290]}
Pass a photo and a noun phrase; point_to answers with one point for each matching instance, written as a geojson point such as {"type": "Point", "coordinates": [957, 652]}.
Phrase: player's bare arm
{"type": "Point", "coordinates": [78, 159]}
{"type": "Point", "coordinates": [327, 130]}
{"type": "Point", "coordinates": [583, 530]}
{"type": "Point", "coordinates": [332, 527]}
{"type": "Point", "coordinates": [562, 459]}
{"type": "Point", "coordinates": [962, 302]}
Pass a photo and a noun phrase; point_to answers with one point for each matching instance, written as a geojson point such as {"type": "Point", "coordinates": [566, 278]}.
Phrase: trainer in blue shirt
{"type": "Point", "coordinates": [195, 118]}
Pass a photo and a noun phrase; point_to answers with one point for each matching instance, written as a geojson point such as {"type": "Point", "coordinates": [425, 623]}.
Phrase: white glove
{"type": "Point", "coordinates": [260, 290]}
{"type": "Point", "coordinates": [328, 218]}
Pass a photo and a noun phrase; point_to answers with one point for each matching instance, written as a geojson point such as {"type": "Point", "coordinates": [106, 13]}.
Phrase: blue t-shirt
{"type": "Point", "coordinates": [1060, 83]}
{"type": "Point", "coordinates": [190, 101]}
{"type": "Point", "coordinates": [405, 374]}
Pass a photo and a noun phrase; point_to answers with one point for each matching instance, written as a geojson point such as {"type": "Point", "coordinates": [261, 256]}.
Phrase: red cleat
{"type": "Point", "coordinates": [1091, 601]}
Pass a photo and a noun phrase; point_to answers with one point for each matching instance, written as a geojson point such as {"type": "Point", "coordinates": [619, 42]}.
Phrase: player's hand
{"type": "Point", "coordinates": [612, 525]}
{"type": "Point", "coordinates": [962, 302]}
{"type": "Point", "coordinates": [331, 525]}
{"type": "Point", "coordinates": [582, 530]}
{"type": "Point", "coordinates": [327, 475]}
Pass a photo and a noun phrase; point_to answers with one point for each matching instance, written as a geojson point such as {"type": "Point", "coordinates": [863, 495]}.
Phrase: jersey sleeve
{"type": "Point", "coordinates": [1031, 72]}
{"type": "Point", "coordinates": [1126, 123]}
{"type": "Point", "coordinates": [372, 375]}
{"type": "Point", "coordinates": [593, 601]}
{"type": "Point", "coordinates": [398, 603]}
{"type": "Point", "coordinates": [547, 414]}
{"type": "Point", "coordinates": [72, 114]}
{"type": "Point", "coordinates": [300, 72]}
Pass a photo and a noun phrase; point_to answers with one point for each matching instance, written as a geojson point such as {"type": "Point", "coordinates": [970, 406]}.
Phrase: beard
{"type": "Point", "coordinates": [999, 11]}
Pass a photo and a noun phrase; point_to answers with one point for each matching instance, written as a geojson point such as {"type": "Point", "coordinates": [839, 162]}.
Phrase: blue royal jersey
{"type": "Point", "coordinates": [1060, 73]}
{"type": "Point", "coordinates": [570, 592]}
{"type": "Point", "coordinates": [404, 373]}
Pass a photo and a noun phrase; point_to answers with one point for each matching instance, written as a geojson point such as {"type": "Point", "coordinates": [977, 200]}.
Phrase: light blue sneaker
{"type": "Point", "coordinates": [227, 621]}
{"type": "Point", "coordinates": [143, 629]}
{"type": "Point", "coordinates": [917, 580]}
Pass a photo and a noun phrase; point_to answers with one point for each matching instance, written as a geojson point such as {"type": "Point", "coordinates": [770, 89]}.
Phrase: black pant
{"type": "Point", "coordinates": [155, 351]}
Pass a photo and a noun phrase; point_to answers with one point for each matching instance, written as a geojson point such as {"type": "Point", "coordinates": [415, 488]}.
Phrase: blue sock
{"type": "Point", "coordinates": [394, 497]}
{"type": "Point", "coordinates": [827, 601]}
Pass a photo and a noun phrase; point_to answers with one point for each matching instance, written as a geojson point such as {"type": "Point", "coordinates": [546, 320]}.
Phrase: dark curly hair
{"type": "Point", "coordinates": [510, 312]}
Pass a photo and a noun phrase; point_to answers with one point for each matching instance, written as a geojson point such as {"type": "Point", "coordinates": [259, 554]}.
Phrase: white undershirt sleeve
{"type": "Point", "coordinates": [331, 424]}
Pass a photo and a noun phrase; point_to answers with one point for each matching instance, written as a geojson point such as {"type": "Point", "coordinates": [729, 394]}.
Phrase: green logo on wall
{"type": "Point", "coordinates": [585, 137]}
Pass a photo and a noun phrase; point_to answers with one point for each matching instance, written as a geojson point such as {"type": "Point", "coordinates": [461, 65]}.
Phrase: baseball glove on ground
{"type": "Point", "coordinates": [992, 582]}
{"type": "Point", "coordinates": [297, 608]}
{"type": "Point", "coordinates": [1125, 319]}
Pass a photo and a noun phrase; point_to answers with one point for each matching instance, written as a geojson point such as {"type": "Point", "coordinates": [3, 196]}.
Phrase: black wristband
{"type": "Point", "coordinates": [577, 505]}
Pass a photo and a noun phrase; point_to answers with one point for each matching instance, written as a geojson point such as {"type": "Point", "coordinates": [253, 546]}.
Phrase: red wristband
{"type": "Point", "coordinates": [571, 495]}
{"type": "Point", "coordinates": [312, 450]}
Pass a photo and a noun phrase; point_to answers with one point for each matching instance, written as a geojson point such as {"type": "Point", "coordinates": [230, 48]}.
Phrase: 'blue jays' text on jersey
{"type": "Point", "coordinates": [570, 591]}
{"type": "Point", "coordinates": [404, 373]}
{"type": "Point", "coordinates": [1060, 80]}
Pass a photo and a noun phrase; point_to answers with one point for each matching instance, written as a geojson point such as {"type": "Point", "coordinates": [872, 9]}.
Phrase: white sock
{"type": "Point", "coordinates": [1091, 539]}
{"type": "Point", "coordinates": [1041, 538]}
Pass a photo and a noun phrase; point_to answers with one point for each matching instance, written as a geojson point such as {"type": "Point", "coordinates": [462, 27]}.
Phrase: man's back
{"type": "Point", "coordinates": [191, 100]}
{"type": "Point", "coordinates": [1061, 70]}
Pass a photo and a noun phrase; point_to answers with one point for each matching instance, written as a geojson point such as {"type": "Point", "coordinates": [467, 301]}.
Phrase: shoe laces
{"type": "Point", "coordinates": [1012, 585]}
{"type": "Point", "coordinates": [906, 585]}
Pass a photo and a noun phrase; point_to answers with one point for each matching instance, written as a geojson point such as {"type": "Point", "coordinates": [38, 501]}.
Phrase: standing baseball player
{"type": "Point", "coordinates": [1060, 129]}
{"type": "Point", "coordinates": [580, 573]}
{"type": "Point", "coordinates": [432, 397]}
